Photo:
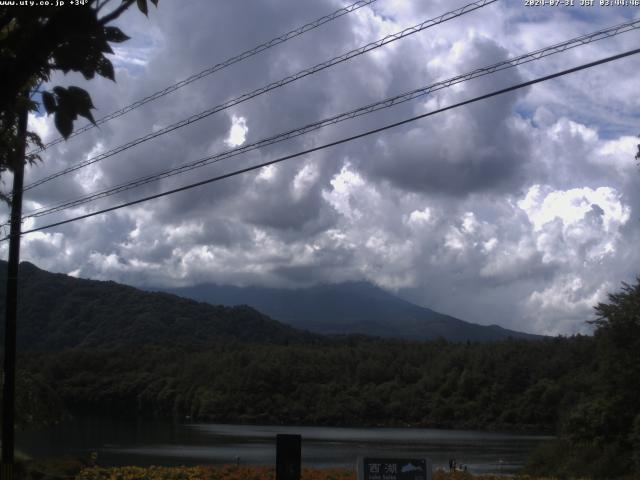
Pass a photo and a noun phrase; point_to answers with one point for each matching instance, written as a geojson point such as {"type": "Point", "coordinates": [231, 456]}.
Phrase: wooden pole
{"type": "Point", "coordinates": [11, 306]}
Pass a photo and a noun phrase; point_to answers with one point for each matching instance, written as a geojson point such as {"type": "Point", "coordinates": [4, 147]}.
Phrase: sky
{"type": "Point", "coordinates": [521, 210]}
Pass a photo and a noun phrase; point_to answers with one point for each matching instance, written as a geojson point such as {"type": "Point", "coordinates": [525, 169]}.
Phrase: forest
{"type": "Point", "coordinates": [236, 365]}
{"type": "Point", "coordinates": [569, 386]}
{"type": "Point", "coordinates": [512, 385]}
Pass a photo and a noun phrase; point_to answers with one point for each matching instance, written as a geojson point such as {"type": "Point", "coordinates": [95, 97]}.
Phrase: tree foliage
{"type": "Point", "coordinates": [37, 41]}
{"type": "Point", "coordinates": [600, 435]}
{"type": "Point", "coordinates": [105, 346]}
{"type": "Point", "coordinates": [348, 382]}
{"type": "Point", "coordinates": [100, 346]}
{"type": "Point", "coordinates": [618, 338]}
{"type": "Point", "coordinates": [78, 313]}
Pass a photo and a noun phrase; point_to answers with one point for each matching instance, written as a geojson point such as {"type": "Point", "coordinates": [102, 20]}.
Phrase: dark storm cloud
{"type": "Point", "coordinates": [516, 211]}
{"type": "Point", "coordinates": [475, 148]}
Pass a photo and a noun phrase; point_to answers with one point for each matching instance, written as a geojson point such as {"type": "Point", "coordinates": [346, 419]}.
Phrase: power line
{"type": "Point", "coordinates": [272, 86]}
{"type": "Point", "coordinates": [386, 103]}
{"type": "Point", "coordinates": [219, 66]}
{"type": "Point", "coordinates": [337, 142]}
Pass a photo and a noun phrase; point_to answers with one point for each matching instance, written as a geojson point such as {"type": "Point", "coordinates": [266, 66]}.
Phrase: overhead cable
{"type": "Point", "coordinates": [337, 142]}
{"type": "Point", "coordinates": [272, 86]}
{"type": "Point", "coordinates": [219, 66]}
{"type": "Point", "coordinates": [386, 103]}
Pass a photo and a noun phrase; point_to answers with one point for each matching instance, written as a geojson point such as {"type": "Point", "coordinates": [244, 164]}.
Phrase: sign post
{"type": "Point", "coordinates": [288, 457]}
{"type": "Point", "coordinates": [380, 468]}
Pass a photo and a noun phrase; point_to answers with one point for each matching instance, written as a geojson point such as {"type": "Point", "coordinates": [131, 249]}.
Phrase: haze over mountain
{"type": "Point", "coordinates": [57, 311]}
{"type": "Point", "coordinates": [353, 307]}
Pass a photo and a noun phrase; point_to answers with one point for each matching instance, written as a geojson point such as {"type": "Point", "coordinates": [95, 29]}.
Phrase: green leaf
{"type": "Point", "coordinates": [64, 124]}
{"type": "Point", "coordinates": [49, 102]}
{"type": "Point", "coordinates": [71, 102]}
{"type": "Point", "coordinates": [142, 6]}
{"type": "Point", "coordinates": [88, 115]}
{"type": "Point", "coordinates": [88, 71]}
{"type": "Point", "coordinates": [105, 69]}
{"type": "Point", "coordinates": [91, 63]}
{"type": "Point", "coordinates": [104, 46]}
{"type": "Point", "coordinates": [81, 97]}
{"type": "Point", "coordinates": [115, 35]}
{"type": "Point", "coordinates": [34, 139]}
{"type": "Point", "coordinates": [66, 57]}
{"type": "Point", "coordinates": [80, 103]}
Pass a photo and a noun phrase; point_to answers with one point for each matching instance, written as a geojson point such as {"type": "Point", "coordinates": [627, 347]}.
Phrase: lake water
{"type": "Point", "coordinates": [121, 443]}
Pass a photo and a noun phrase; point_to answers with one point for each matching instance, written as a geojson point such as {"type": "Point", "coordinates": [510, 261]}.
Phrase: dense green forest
{"type": "Point", "coordinates": [130, 353]}
{"type": "Point", "coordinates": [560, 385]}
{"type": "Point", "coordinates": [58, 311]}
{"type": "Point", "coordinates": [508, 385]}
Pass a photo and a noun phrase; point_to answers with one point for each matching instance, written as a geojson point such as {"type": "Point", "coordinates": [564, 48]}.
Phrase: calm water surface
{"type": "Point", "coordinates": [120, 443]}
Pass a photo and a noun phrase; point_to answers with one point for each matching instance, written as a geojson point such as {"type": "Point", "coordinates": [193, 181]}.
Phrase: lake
{"type": "Point", "coordinates": [141, 443]}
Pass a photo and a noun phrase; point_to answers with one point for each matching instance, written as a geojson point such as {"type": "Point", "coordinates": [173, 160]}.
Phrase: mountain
{"type": "Point", "coordinates": [57, 311]}
{"type": "Point", "coordinates": [353, 307]}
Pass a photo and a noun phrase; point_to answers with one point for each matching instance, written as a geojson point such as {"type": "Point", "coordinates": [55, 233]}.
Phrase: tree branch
{"type": "Point", "coordinates": [116, 13]}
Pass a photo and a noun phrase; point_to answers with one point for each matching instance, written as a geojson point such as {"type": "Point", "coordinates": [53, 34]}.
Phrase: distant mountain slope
{"type": "Point", "coordinates": [356, 307]}
{"type": "Point", "coordinates": [58, 311]}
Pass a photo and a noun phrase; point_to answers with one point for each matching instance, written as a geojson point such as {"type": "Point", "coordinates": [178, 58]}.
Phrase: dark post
{"type": "Point", "coordinates": [288, 455]}
{"type": "Point", "coordinates": [9, 377]}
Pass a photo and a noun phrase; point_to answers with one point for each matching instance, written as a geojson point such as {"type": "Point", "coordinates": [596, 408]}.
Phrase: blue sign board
{"type": "Point", "coordinates": [379, 468]}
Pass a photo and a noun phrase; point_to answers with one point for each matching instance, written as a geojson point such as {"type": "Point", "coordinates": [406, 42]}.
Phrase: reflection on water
{"type": "Point", "coordinates": [122, 443]}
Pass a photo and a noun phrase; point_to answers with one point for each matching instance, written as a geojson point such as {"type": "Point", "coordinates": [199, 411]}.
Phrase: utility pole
{"type": "Point", "coordinates": [11, 304]}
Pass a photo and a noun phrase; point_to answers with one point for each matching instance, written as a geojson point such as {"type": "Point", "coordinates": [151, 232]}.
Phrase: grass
{"type": "Point", "coordinates": [247, 473]}
{"type": "Point", "coordinates": [69, 468]}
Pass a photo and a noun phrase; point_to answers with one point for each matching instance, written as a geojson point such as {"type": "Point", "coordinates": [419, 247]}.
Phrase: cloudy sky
{"type": "Point", "coordinates": [522, 210]}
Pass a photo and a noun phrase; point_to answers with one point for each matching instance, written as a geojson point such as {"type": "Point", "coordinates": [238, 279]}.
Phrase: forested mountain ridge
{"type": "Point", "coordinates": [347, 308]}
{"type": "Point", "coordinates": [506, 385]}
{"type": "Point", "coordinates": [56, 311]}
{"type": "Point", "coordinates": [234, 364]}
{"type": "Point", "coordinates": [228, 364]}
